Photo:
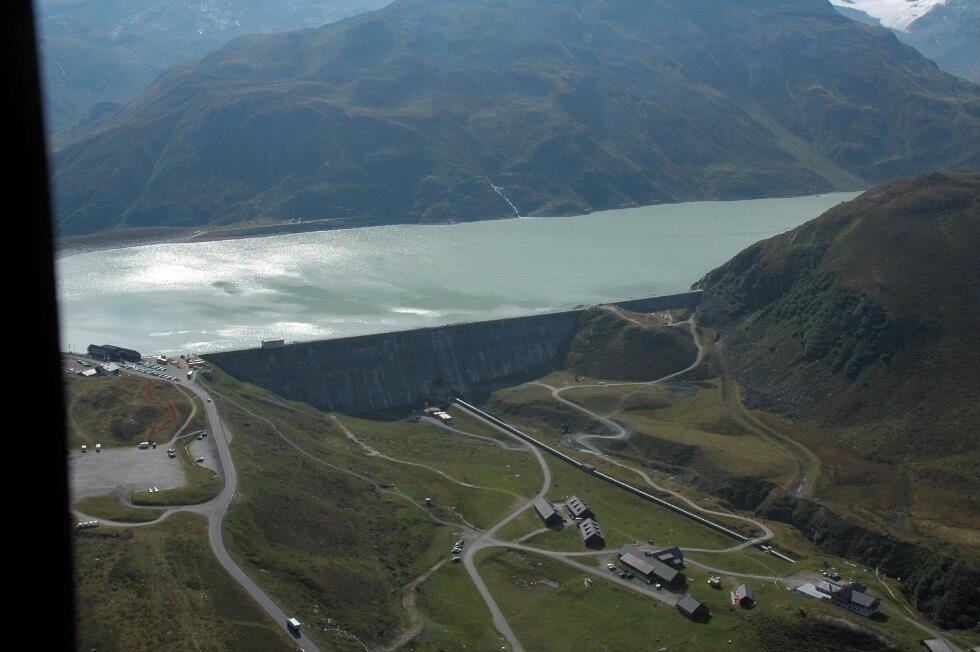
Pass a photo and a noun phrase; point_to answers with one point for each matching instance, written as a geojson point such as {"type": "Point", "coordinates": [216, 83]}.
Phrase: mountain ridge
{"type": "Point", "coordinates": [948, 32]}
{"type": "Point", "coordinates": [415, 112]}
{"type": "Point", "coordinates": [107, 51]}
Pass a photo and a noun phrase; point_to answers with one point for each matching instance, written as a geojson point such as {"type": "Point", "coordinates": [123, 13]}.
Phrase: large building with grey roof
{"type": "Point", "coordinates": [650, 568]}
{"type": "Point", "coordinates": [853, 597]}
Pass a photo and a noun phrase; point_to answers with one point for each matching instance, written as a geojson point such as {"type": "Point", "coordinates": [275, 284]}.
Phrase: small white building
{"type": "Point", "coordinates": [110, 369]}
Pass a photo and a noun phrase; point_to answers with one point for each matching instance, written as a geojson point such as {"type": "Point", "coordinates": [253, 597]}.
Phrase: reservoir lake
{"type": "Point", "coordinates": [229, 294]}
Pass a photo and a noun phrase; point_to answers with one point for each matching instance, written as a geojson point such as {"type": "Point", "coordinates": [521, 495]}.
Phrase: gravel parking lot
{"type": "Point", "coordinates": [123, 469]}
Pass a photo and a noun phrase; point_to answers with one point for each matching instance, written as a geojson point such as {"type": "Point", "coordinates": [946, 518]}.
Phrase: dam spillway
{"type": "Point", "coordinates": [369, 373]}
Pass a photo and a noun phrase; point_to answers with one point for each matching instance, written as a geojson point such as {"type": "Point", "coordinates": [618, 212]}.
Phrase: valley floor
{"type": "Point", "coordinates": [349, 523]}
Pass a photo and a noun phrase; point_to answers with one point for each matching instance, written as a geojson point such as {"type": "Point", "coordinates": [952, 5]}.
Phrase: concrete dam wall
{"type": "Point", "coordinates": [393, 370]}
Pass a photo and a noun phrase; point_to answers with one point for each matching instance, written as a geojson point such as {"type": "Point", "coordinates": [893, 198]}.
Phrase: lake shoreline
{"type": "Point", "coordinates": [144, 236]}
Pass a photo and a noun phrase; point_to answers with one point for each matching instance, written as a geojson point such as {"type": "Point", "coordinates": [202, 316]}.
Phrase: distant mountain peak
{"type": "Point", "coordinates": [896, 14]}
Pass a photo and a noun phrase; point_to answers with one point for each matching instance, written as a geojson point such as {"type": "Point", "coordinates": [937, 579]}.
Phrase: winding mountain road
{"type": "Point", "coordinates": [216, 508]}
{"type": "Point", "coordinates": [619, 433]}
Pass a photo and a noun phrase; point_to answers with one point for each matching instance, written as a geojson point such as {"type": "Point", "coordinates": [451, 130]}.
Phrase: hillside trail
{"type": "Point", "coordinates": [807, 478]}
{"type": "Point", "coordinates": [620, 433]}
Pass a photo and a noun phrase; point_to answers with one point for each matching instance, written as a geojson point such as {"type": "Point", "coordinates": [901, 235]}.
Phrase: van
{"type": "Point", "coordinates": [293, 625]}
{"type": "Point", "coordinates": [84, 448]}
{"type": "Point", "coordinates": [98, 448]}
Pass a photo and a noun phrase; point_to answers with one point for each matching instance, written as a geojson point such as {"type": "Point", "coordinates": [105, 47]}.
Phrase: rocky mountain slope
{"type": "Point", "coordinates": [866, 317]}
{"type": "Point", "coordinates": [430, 110]}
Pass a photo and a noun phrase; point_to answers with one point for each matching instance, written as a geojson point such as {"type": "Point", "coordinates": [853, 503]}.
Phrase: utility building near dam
{"type": "Point", "coordinates": [650, 568]}
{"type": "Point", "coordinates": [578, 508]}
{"type": "Point", "coordinates": [592, 534]}
{"type": "Point", "coordinates": [110, 353]}
{"type": "Point", "coordinates": [546, 512]}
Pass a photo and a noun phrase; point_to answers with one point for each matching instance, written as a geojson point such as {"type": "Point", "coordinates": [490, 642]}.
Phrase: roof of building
{"type": "Point", "coordinates": [112, 348]}
{"type": "Point", "coordinates": [828, 587]}
{"type": "Point", "coordinates": [647, 566]}
{"type": "Point", "coordinates": [937, 645]}
{"type": "Point", "coordinates": [590, 528]}
{"type": "Point", "coordinates": [577, 506]}
{"type": "Point", "coordinates": [89, 372]}
{"type": "Point", "coordinates": [809, 589]}
{"type": "Point", "coordinates": [743, 591]}
{"type": "Point", "coordinates": [637, 563]}
{"type": "Point", "coordinates": [689, 605]}
{"type": "Point", "coordinates": [544, 509]}
{"type": "Point", "coordinates": [670, 555]}
{"type": "Point", "coordinates": [863, 599]}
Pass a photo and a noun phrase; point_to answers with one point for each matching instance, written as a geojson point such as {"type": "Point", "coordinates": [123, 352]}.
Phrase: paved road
{"type": "Point", "coordinates": [219, 507]}
{"type": "Point", "coordinates": [620, 433]}
{"type": "Point", "coordinates": [487, 540]}
{"type": "Point", "coordinates": [215, 511]}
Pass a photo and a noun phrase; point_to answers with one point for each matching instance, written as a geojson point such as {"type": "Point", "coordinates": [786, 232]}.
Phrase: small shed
{"type": "Point", "coordinates": [650, 568]}
{"type": "Point", "coordinates": [742, 596]}
{"type": "Point", "coordinates": [691, 608]}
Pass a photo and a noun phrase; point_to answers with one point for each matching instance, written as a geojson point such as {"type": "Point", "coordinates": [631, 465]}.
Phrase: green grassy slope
{"type": "Point", "coordinates": [159, 588]}
{"type": "Point", "coordinates": [123, 410]}
{"type": "Point", "coordinates": [331, 531]}
{"type": "Point", "coordinates": [95, 52]}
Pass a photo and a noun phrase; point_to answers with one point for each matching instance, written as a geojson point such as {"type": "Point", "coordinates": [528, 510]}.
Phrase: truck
{"type": "Point", "coordinates": [293, 625]}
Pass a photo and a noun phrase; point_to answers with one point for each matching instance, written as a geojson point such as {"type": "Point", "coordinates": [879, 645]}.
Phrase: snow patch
{"type": "Point", "coordinates": [896, 14]}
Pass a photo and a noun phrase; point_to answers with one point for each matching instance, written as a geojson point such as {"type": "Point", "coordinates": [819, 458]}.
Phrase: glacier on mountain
{"type": "Point", "coordinates": [896, 14]}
